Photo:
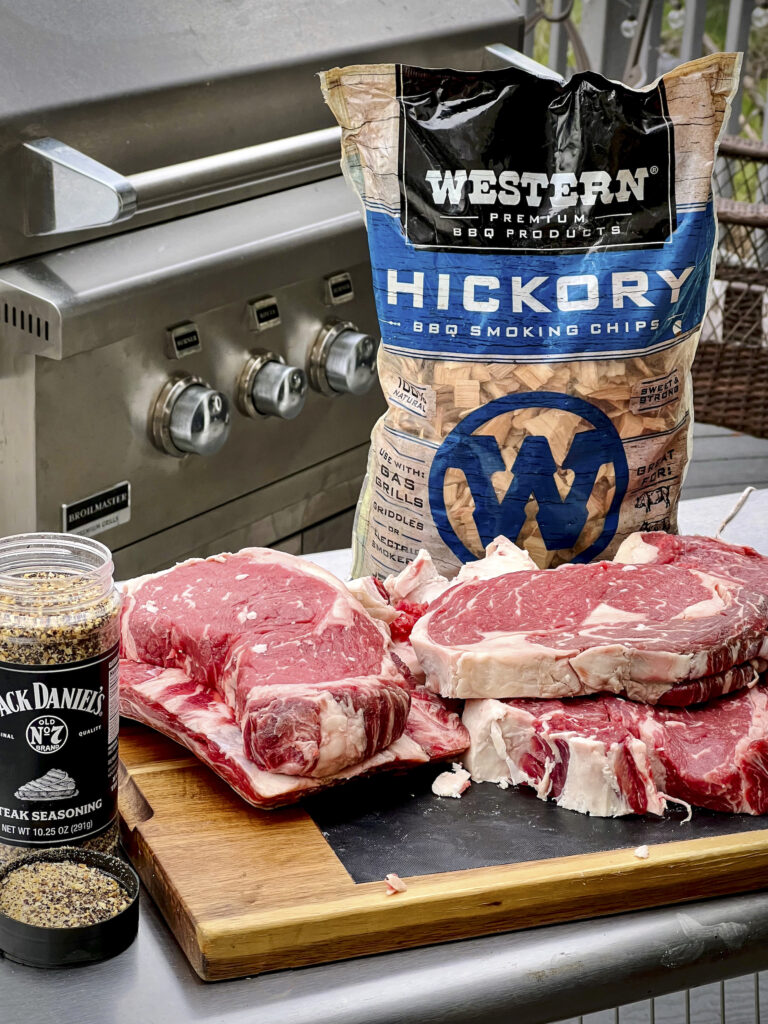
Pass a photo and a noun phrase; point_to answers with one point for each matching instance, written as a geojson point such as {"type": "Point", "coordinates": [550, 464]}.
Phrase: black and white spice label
{"type": "Point", "coordinates": [58, 751]}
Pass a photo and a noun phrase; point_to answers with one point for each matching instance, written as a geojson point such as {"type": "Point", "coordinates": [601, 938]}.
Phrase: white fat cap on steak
{"type": "Point", "coordinates": [634, 551]}
{"type": "Point", "coordinates": [371, 598]}
{"type": "Point", "coordinates": [501, 557]}
{"type": "Point", "coordinates": [419, 582]}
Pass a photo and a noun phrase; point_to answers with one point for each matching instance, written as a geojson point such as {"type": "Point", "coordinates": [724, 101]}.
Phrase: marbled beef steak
{"type": "Point", "coordinates": [733, 561]}
{"type": "Point", "coordinates": [304, 668]}
{"type": "Point", "coordinates": [668, 633]}
{"type": "Point", "coordinates": [608, 756]}
{"type": "Point", "coordinates": [196, 716]}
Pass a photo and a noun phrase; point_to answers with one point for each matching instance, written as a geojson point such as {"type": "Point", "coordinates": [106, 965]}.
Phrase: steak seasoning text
{"type": "Point", "coordinates": [59, 631]}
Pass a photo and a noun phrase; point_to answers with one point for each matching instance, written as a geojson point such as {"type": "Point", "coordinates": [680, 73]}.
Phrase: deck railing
{"type": "Point", "coordinates": [637, 40]}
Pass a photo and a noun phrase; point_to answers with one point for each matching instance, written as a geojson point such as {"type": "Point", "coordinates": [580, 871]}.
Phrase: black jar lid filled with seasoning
{"type": "Point", "coordinates": [90, 898]}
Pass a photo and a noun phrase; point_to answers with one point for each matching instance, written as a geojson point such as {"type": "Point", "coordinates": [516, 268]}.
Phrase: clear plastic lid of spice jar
{"type": "Point", "coordinates": [53, 575]}
{"type": "Point", "coordinates": [59, 632]}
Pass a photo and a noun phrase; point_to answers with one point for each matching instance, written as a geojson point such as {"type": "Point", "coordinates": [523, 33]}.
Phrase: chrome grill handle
{"type": "Point", "coordinates": [66, 190]}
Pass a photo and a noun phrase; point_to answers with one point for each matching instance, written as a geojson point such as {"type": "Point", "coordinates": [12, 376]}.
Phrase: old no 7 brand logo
{"type": "Point", "coordinates": [560, 520]}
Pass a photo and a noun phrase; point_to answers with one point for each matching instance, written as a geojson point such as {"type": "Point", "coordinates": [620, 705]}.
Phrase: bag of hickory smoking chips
{"type": "Point", "coordinates": [541, 258]}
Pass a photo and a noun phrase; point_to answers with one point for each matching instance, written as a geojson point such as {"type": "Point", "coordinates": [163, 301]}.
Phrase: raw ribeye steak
{"type": "Point", "coordinates": [305, 669]}
{"type": "Point", "coordinates": [607, 756]}
{"type": "Point", "coordinates": [196, 716]}
{"type": "Point", "coordinates": [641, 630]}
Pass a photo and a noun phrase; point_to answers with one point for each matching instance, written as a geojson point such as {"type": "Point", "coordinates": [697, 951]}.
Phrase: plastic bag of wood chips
{"type": "Point", "coordinates": [541, 257]}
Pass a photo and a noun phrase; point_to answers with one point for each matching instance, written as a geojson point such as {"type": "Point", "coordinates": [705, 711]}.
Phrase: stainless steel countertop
{"type": "Point", "coordinates": [543, 974]}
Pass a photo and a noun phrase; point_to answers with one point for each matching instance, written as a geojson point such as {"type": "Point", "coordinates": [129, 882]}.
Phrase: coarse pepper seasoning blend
{"type": "Point", "coordinates": [59, 712]}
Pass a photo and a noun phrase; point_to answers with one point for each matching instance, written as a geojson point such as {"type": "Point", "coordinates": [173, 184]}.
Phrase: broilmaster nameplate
{"type": "Point", "coordinates": [98, 512]}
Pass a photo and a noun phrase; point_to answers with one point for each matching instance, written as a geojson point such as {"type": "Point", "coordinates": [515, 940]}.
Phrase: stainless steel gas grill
{"type": "Point", "coordinates": [188, 333]}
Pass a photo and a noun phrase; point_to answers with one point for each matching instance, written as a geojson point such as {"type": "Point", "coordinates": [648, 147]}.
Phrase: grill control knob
{"type": "Point", "coordinates": [190, 418]}
{"type": "Point", "coordinates": [343, 360]}
{"type": "Point", "coordinates": [268, 387]}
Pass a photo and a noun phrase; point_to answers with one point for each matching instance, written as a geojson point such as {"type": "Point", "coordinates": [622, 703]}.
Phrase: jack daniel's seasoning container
{"type": "Point", "coordinates": [59, 632]}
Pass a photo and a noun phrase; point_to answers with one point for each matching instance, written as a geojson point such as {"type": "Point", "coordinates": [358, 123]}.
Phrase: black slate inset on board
{"type": "Point", "coordinates": [395, 823]}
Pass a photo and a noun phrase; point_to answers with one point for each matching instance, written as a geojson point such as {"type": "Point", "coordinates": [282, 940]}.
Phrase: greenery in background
{"type": "Point", "coordinates": [756, 64]}
{"type": "Point", "coordinates": [755, 71]}
{"type": "Point", "coordinates": [737, 178]}
{"type": "Point", "coordinates": [745, 186]}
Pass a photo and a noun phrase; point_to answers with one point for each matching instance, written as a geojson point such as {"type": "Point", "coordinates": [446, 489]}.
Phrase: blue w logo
{"type": "Point", "coordinates": [561, 520]}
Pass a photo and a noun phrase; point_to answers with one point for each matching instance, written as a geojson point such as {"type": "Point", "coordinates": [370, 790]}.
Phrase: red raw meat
{"type": "Point", "coordinates": [607, 756]}
{"type": "Point", "coordinates": [408, 614]}
{"type": "Point", "coordinates": [306, 670]}
{"type": "Point", "coordinates": [635, 629]}
{"type": "Point", "coordinates": [697, 691]}
{"type": "Point", "coordinates": [435, 724]}
{"type": "Point", "coordinates": [733, 561]}
{"type": "Point", "coordinates": [715, 756]}
{"type": "Point", "coordinates": [196, 716]}
{"type": "Point", "coordinates": [579, 752]}
{"type": "Point", "coordinates": [402, 599]}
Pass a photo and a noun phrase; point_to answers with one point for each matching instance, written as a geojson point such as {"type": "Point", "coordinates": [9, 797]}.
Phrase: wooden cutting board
{"type": "Point", "coordinates": [246, 891]}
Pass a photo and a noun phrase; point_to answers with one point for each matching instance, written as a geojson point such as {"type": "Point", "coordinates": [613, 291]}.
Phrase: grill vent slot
{"type": "Point", "coordinates": [24, 320]}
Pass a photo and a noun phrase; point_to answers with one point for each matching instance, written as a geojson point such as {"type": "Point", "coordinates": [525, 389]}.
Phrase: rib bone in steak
{"type": "Point", "coordinates": [196, 716]}
{"type": "Point", "coordinates": [305, 669]}
{"type": "Point", "coordinates": [635, 629]}
{"type": "Point", "coordinates": [607, 756]}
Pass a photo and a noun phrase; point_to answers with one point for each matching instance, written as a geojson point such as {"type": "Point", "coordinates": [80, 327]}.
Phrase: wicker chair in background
{"type": "Point", "coordinates": [730, 372]}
